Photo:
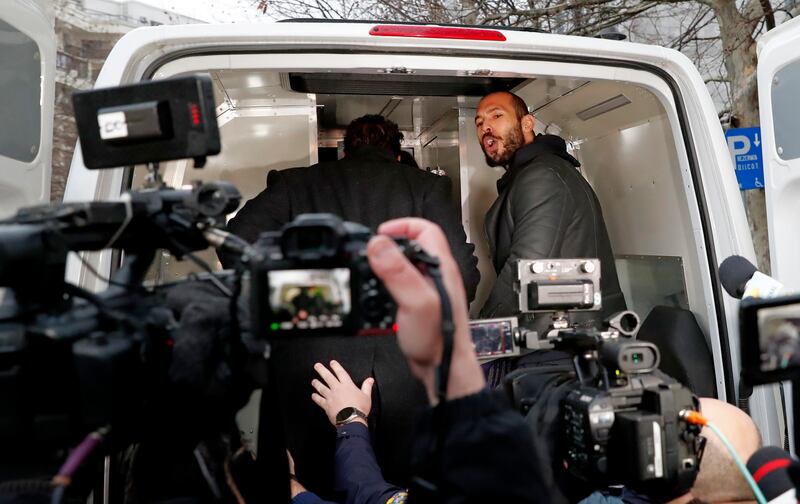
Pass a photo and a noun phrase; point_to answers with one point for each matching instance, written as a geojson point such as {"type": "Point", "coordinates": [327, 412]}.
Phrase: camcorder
{"type": "Point", "coordinates": [620, 420]}
{"type": "Point", "coordinates": [74, 361]}
{"type": "Point", "coordinates": [71, 360]}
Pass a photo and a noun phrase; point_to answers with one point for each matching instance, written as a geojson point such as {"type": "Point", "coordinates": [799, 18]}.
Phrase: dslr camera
{"type": "Point", "coordinates": [313, 278]}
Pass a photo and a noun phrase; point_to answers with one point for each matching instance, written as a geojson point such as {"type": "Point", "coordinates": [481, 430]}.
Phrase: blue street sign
{"type": "Point", "coordinates": [745, 147]}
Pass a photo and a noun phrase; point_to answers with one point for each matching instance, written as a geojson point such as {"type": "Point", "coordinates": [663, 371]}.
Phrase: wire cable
{"type": "Point", "coordinates": [76, 459]}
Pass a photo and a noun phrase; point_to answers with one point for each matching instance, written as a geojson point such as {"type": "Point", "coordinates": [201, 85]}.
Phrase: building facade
{"type": "Point", "coordinates": [86, 31]}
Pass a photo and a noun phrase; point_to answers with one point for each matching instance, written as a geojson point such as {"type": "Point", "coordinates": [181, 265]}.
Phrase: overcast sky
{"type": "Point", "coordinates": [220, 11]}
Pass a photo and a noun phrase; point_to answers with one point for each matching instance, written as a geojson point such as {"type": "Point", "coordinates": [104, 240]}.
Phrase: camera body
{"type": "Point", "coordinates": [631, 433]}
{"type": "Point", "coordinates": [620, 422]}
{"type": "Point", "coordinates": [313, 278]}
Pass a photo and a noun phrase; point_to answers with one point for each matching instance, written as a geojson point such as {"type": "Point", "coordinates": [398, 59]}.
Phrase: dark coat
{"type": "Point", "coordinates": [546, 209]}
{"type": "Point", "coordinates": [368, 187]}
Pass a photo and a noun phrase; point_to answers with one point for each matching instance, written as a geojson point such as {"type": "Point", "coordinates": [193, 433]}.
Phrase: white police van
{"type": "Point", "coordinates": [638, 117]}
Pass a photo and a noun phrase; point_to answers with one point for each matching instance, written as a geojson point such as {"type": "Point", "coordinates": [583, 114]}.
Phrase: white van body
{"type": "Point", "coordinates": [27, 91]}
{"type": "Point", "coordinates": [658, 162]}
{"type": "Point", "coordinates": [778, 82]}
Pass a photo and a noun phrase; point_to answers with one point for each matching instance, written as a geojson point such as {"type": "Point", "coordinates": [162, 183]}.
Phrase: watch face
{"type": "Point", "coordinates": [345, 414]}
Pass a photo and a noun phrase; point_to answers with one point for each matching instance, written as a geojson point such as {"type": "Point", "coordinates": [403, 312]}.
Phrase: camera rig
{"type": "Point", "coordinates": [620, 418]}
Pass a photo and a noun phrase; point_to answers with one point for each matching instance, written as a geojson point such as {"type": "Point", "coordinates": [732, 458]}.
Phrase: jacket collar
{"type": "Point", "coordinates": [541, 145]}
{"type": "Point", "coordinates": [372, 152]}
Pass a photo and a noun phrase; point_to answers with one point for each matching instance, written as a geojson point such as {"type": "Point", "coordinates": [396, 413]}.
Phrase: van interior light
{"type": "Point", "coordinates": [437, 32]}
{"type": "Point", "coordinates": [601, 108]}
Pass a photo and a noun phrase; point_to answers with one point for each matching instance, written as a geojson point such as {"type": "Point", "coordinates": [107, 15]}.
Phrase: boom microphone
{"type": "Point", "coordinates": [769, 467]}
{"type": "Point", "coordinates": [741, 279]}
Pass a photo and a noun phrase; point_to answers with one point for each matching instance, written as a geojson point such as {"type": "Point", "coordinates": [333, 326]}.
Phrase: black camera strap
{"type": "Point", "coordinates": [432, 268]}
{"type": "Point", "coordinates": [424, 488]}
{"type": "Point", "coordinates": [448, 330]}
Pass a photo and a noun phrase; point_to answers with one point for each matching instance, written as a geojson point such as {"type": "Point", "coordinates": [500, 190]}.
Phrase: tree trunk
{"type": "Point", "coordinates": [739, 49]}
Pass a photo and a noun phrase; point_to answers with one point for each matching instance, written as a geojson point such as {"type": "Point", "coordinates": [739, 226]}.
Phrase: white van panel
{"type": "Point", "coordinates": [25, 179]}
{"type": "Point", "coordinates": [778, 64]}
{"type": "Point", "coordinates": [778, 79]}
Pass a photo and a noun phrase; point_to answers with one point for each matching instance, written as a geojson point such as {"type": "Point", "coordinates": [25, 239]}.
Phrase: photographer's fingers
{"type": "Point", "coordinates": [320, 388]}
{"type": "Point", "coordinates": [403, 281]}
{"type": "Point", "coordinates": [433, 240]}
{"type": "Point", "coordinates": [366, 387]}
{"type": "Point", "coordinates": [326, 375]}
{"type": "Point", "coordinates": [341, 373]}
{"type": "Point", "coordinates": [319, 400]}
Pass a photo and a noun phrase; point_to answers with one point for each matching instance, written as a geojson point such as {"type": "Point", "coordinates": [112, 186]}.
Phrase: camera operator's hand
{"type": "Point", "coordinates": [419, 315]}
{"type": "Point", "coordinates": [339, 392]}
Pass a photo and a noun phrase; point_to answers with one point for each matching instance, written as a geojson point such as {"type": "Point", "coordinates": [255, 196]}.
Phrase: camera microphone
{"type": "Point", "coordinates": [769, 467]}
{"type": "Point", "coordinates": [741, 279]}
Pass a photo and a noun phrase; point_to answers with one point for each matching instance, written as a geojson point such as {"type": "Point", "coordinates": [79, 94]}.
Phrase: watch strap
{"type": "Point", "coordinates": [352, 415]}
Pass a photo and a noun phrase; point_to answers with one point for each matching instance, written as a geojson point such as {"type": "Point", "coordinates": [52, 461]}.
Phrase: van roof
{"type": "Point", "coordinates": [142, 50]}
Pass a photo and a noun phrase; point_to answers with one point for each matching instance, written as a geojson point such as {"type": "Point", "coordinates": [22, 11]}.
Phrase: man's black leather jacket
{"type": "Point", "coordinates": [546, 209]}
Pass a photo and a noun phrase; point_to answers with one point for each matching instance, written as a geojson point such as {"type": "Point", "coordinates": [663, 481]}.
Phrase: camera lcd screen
{"type": "Point", "coordinates": [309, 298]}
{"type": "Point", "coordinates": [779, 337]}
{"type": "Point", "coordinates": [492, 338]}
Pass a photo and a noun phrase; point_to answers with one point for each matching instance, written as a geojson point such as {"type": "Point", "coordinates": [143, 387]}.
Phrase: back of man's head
{"type": "Point", "coordinates": [375, 130]}
{"type": "Point", "coordinates": [719, 479]}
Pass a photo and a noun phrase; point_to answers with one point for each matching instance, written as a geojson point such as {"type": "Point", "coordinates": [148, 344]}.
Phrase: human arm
{"type": "Point", "coordinates": [540, 206]}
{"type": "Point", "coordinates": [419, 316]}
{"type": "Point", "coordinates": [438, 209]}
{"type": "Point", "coordinates": [356, 468]}
{"type": "Point", "coordinates": [299, 493]}
{"type": "Point", "coordinates": [485, 447]}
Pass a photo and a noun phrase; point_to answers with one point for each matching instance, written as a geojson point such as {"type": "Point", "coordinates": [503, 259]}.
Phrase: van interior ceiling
{"type": "Point", "coordinates": [620, 132]}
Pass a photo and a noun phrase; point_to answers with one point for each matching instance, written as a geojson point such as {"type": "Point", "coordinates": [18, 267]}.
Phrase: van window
{"type": "Point", "coordinates": [786, 110]}
{"type": "Point", "coordinates": [20, 94]}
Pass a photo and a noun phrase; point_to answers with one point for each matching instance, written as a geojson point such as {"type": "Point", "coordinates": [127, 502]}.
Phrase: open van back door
{"type": "Point", "coordinates": [779, 102]}
{"type": "Point", "coordinates": [27, 90]}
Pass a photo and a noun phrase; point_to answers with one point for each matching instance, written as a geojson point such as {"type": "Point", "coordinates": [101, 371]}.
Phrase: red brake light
{"type": "Point", "coordinates": [437, 32]}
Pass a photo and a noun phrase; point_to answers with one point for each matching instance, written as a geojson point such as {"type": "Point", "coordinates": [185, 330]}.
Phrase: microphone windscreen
{"type": "Point", "coordinates": [734, 273]}
{"type": "Point", "coordinates": [769, 469]}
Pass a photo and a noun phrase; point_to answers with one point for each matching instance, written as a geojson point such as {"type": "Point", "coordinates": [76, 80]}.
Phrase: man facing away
{"type": "Point", "coordinates": [368, 186]}
{"type": "Point", "coordinates": [544, 209]}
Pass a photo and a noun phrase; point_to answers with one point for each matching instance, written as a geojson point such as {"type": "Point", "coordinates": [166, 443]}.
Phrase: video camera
{"type": "Point", "coordinates": [620, 420]}
{"type": "Point", "coordinates": [73, 361]}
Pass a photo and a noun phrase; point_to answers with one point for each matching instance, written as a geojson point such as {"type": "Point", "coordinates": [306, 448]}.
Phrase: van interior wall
{"type": "Point", "coordinates": [636, 175]}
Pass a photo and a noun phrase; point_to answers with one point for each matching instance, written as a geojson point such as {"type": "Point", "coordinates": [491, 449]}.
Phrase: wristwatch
{"type": "Point", "coordinates": [349, 414]}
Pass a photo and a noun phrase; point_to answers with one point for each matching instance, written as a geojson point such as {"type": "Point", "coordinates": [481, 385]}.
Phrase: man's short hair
{"type": "Point", "coordinates": [519, 105]}
{"type": "Point", "coordinates": [375, 130]}
{"type": "Point", "coordinates": [520, 108]}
